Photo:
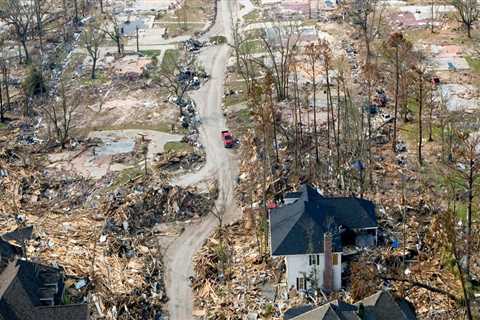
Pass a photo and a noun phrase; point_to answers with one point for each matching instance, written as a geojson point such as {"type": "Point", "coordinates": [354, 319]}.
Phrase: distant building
{"type": "Point", "coordinates": [310, 231]}
{"type": "Point", "coordinates": [380, 306]}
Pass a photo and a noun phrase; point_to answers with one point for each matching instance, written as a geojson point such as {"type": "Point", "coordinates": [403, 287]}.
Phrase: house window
{"type": "Point", "coordinates": [334, 259]}
{"type": "Point", "coordinates": [313, 259]}
{"type": "Point", "coordinates": [301, 284]}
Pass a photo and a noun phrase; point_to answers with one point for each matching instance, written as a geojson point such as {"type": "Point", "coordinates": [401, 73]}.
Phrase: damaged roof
{"type": "Point", "coordinates": [380, 306]}
{"type": "Point", "coordinates": [25, 285]}
{"type": "Point", "coordinates": [298, 227]}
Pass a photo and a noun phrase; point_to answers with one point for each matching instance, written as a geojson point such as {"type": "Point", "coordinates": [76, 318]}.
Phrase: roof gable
{"type": "Point", "coordinates": [298, 227]}
{"type": "Point", "coordinates": [379, 306]}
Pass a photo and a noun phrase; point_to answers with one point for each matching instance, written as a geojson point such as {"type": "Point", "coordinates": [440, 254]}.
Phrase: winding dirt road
{"type": "Point", "coordinates": [220, 163]}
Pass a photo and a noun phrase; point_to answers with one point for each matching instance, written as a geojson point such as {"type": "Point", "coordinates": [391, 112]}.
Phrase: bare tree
{"type": "Point", "coordinates": [313, 53]}
{"type": "Point", "coordinates": [112, 29]}
{"type": "Point", "coordinates": [243, 55]}
{"type": "Point", "coordinates": [280, 42]}
{"type": "Point", "coordinates": [60, 114]}
{"type": "Point", "coordinates": [20, 15]}
{"type": "Point", "coordinates": [92, 38]}
{"type": "Point", "coordinates": [169, 75]}
{"type": "Point", "coordinates": [468, 13]}
{"type": "Point", "coordinates": [368, 15]}
{"type": "Point", "coordinates": [421, 93]}
{"type": "Point", "coordinates": [398, 49]}
{"type": "Point", "coordinates": [466, 175]}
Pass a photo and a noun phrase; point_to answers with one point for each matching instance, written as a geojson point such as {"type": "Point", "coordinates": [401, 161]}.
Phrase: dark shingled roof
{"type": "Point", "coordinates": [296, 311]}
{"type": "Point", "coordinates": [19, 235]}
{"type": "Point", "coordinates": [70, 312]}
{"type": "Point", "coordinates": [298, 228]}
{"type": "Point", "coordinates": [8, 250]}
{"type": "Point", "coordinates": [380, 306]}
{"type": "Point", "coordinates": [24, 283]}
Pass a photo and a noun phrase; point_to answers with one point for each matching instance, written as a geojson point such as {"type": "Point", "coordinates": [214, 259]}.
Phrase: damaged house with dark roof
{"type": "Point", "coordinates": [382, 305]}
{"type": "Point", "coordinates": [310, 231]}
{"type": "Point", "coordinates": [30, 290]}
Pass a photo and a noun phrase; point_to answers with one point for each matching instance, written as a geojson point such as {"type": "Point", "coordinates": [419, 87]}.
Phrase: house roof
{"type": "Point", "coordinates": [70, 311]}
{"type": "Point", "coordinates": [298, 227]}
{"type": "Point", "coordinates": [380, 306]}
{"type": "Point", "coordinates": [19, 235]}
{"type": "Point", "coordinates": [383, 305]}
{"type": "Point", "coordinates": [296, 311]}
{"type": "Point", "coordinates": [8, 250]}
{"type": "Point", "coordinates": [22, 286]}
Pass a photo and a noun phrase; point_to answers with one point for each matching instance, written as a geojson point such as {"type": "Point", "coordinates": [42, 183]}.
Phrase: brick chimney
{"type": "Point", "coordinates": [328, 269]}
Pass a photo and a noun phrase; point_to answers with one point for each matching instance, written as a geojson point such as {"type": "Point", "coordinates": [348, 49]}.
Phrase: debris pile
{"type": "Point", "coordinates": [142, 205]}
{"type": "Point", "coordinates": [183, 160]}
{"type": "Point", "coordinates": [231, 276]}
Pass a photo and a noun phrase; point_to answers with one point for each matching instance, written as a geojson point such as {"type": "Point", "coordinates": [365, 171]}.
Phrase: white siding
{"type": "Point", "coordinates": [298, 266]}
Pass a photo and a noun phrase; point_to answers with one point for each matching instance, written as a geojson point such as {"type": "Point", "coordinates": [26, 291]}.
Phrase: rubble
{"type": "Point", "coordinates": [237, 292]}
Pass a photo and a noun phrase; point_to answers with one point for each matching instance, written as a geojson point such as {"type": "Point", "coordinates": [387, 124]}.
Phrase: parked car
{"type": "Point", "coordinates": [227, 139]}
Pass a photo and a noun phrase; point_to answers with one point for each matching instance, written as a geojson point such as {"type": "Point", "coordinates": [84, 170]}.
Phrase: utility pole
{"type": "Point", "coordinates": [138, 48]}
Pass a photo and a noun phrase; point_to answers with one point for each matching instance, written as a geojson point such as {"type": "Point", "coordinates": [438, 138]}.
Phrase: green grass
{"type": "Point", "coordinates": [125, 176]}
{"type": "Point", "coordinates": [474, 64]}
{"type": "Point", "coordinates": [252, 16]}
{"type": "Point", "coordinates": [170, 59]}
{"type": "Point", "coordinates": [3, 126]}
{"type": "Point", "coordinates": [100, 78]}
{"type": "Point", "coordinates": [234, 99]}
{"type": "Point", "coordinates": [244, 115]}
{"type": "Point", "coordinates": [160, 126]}
{"type": "Point", "coordinates": [253, 46]}
{"type": "Point", "coordinates": [174, 146]}
{"type": "Point", "coordinates": [150, 53]}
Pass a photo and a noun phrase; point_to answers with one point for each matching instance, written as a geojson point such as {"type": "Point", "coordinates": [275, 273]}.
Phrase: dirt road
{"type": "Point", "coordinates": [221, 163]}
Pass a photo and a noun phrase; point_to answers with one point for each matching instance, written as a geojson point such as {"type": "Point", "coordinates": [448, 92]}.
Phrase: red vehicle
{"type": "Point", "coordinates": [227, 138]}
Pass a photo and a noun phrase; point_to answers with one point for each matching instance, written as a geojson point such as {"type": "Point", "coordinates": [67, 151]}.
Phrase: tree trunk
{"type": "Point", "coordinates": [397, 80]}
{"type": "Point", "coordinates": [75, 3]}
{"type": "Point", "coordinates": [471, 181]}
{"type": "Point", "coordinates": [24, 45]}
{"type": "Point", "coordinates": [317, 158]}
{"type": "Point", "coordinates": [420, 126]}
{"type": "Point", "coordinates": [5, 81]}
{"type": "Point", "coordinates": [2, 107]}
{"type": "Point", "coordinates": [94, 65]}
{"type": "Point", "coordinates": [469, 30]}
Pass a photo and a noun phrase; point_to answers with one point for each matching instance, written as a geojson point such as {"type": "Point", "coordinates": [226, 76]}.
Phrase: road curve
{"type": "Point", "coordinates": [220, 163]}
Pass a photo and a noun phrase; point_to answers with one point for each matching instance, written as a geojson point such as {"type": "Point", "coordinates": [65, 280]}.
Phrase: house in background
{"type": "Point", "coordinates": [379, 306]}
{"type": "Point", "coordinates": [310, 232]}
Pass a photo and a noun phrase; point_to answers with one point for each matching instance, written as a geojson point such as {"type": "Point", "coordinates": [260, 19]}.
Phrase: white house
{"type": "Point", "coordinates": [310, 231]}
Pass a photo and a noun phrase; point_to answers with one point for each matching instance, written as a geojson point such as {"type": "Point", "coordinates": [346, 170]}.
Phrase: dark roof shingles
{"type": "Point", "coordinates": [298, 228]}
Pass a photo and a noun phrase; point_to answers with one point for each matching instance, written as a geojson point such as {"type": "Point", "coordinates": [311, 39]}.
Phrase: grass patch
{"type": "Point", "coordinates": [235, 98]}
{"type": "Point", "coordinates": [252, 16]}
{"type": "Point", "coordinates": [474, 64]}
{"type": "Point", "coordinates": [161, 127]}
{"type": "Point", "coordinates": [126, 176]}
{"type": "Point", "coordinates": [100, 78]}
{"type": "Point", "coordinates": [253, 46]}
{"type": "Point", "coordinates": [174, 146]}
{"type": "Point", "coordinates": [3, 126]}
{"type": "Point", "coordinates": [244, 115]}
{"type": "Point", "coordinates": [170, 59]}
{"type": "Point", "coordinates": [150, 53]}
